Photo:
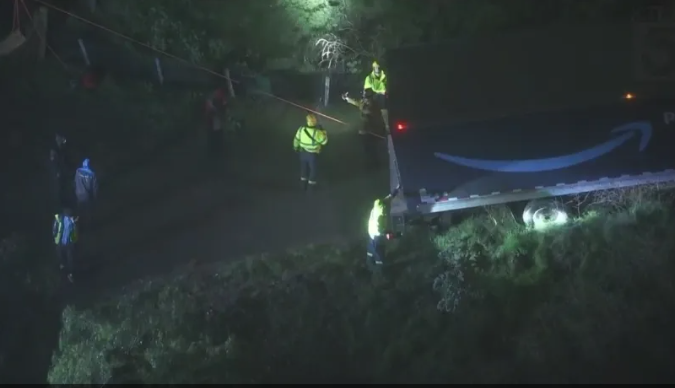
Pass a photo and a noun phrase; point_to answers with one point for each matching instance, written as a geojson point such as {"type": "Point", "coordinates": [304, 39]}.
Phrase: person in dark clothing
{"type": "Point", "coordinates": [86, 191]}
{"type": "Point", "coordinates": [64, 232]}
{"type": "Point", "coordinates": [216, 111]}
{"type": "Point", "coordinates": [60, 145]}
{"type": "Point", "coordinates": [371, 127]}
{"type": "Point", "coordinates": [59, 171]}
{"type": "Point", "coordinates": [371, 146]}
{"type": "Point", "coordinates": [92, 77]}
{"type": "Point", "coordinates": [55, 180]}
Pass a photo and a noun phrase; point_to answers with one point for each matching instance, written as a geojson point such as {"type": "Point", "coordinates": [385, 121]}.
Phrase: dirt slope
{"type": "Point", "coordinates": [182, 209]}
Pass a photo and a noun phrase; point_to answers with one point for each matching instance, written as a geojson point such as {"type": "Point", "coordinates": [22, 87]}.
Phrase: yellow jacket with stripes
{"type": "Point", "coordinates": [310, 139]}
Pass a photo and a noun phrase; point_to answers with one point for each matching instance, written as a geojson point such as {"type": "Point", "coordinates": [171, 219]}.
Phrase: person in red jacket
{"type": "Point", "coordinates": [92, 77]}
{"type": "Point", "coordinates": [215, 110]}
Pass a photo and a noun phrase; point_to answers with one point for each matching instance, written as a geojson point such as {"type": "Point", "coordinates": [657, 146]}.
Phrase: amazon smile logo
{"type": "Point", "coordinates": [641, 129]}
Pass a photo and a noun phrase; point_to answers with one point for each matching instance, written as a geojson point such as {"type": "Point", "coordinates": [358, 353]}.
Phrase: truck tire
{"type": "Point", "coordinates": [443, 221]}
{"type": "Point", "coordinates": [398, 224]}
{"type": "Point", "coordinates": [543, 213]}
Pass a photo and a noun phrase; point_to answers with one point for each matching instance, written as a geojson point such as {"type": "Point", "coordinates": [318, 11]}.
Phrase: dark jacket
{"type": "Point", "coordinates": [86, 184]}
{"type": "Point", "coordinates": [216, 110]}
{"type": "Point", "coordinates": [58, 161]}
{"type": "Point", "coordinates": [56, 166]}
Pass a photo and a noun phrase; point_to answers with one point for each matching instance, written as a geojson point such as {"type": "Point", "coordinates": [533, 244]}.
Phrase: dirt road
{"type": "Point", "coordinates": [182, 209]}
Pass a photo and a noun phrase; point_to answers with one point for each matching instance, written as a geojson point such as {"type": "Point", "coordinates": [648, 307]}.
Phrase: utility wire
{"type": "Point", "coordinates": [119, 34]}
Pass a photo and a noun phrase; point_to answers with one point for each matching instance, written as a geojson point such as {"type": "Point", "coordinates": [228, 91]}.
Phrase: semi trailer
{"type": "Point", "coordinates": [523, 117]}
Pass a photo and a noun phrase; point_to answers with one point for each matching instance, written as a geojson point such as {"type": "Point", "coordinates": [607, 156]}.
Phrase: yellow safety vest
{"type": "Point", "coordinates": [374, 225]}
{"type": "Point", "coordinates": [59, 230]}
{"type": "Point", "coordinates": [378, 84]}
{"type": "Point", "coordinates": [310, 139]}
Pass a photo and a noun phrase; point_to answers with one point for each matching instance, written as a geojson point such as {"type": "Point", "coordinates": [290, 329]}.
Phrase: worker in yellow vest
{"type": "Point", "coordinates": [377, 81]}
{"type": "Point", "coordinates": [376, 230]}
{"type": "Point", "coordinates": [64, 232]}
{"type": "Point", "coordinates": [309, 140]}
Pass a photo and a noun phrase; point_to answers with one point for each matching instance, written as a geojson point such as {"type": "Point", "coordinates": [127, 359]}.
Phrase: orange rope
{"type": "Point", "coordinates": [181, 59]}
{"type": "Point", "coordinates": [43, 38]}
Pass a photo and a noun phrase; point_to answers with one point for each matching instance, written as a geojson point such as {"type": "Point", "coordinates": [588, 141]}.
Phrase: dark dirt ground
{"type": "Point", "coordinates": [163, 210]}
{"type": "Point", "coordinates": [184, 209]}
{"type": "Point", "coordinates": [173, 208]}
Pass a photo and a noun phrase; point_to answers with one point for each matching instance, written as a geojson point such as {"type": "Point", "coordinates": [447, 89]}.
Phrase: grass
{"type": "Point", "coordinates": [486, 301]}
{"type": "Point", "coordinates": [30, 323]}
{"type": "Point", "coordinates": [117, 126]}
{"type": "Point", "coordinates": [113, 125]}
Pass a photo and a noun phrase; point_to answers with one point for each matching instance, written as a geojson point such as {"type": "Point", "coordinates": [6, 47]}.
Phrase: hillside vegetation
{"type": "Point", "coordinates": [31, 310]}
{"type": "Point", "coordinates": [484, 302]}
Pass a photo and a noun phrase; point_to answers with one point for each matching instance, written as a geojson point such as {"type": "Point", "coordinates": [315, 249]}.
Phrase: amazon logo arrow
{"type": "Point", "coordinates": [627, 131]}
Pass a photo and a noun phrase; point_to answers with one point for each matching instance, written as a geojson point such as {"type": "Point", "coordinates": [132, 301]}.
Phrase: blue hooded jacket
{"type": "Point", "coordinates": [86, 184]}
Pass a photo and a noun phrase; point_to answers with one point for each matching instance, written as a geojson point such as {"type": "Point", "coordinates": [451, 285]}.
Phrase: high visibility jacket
{"type": "Point", "coordinates": [310, 139]}
{"type": "Point", "coordinates": [377, 83]}
{"type": "Point", "coordinates": [59, 228]}
{"type": "Point", "coordinates": [375, 222]}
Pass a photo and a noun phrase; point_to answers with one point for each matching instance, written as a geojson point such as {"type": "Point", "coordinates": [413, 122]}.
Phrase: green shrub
{"type": "Point", "coordinates": [28, 285]}
{"type": "Point", "coordinates": [576, 303]}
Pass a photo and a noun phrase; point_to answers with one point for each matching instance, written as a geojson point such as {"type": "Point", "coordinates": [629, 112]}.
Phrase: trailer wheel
{"type": "Point", "coordinates": [443, 221]}
{"type": "Point", "coordinates": [543, 213]}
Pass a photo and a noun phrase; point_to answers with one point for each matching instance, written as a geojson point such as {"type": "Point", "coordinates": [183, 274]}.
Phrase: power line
{"type": "Point", "coordinates": [43, 38]}
{"type": "Point", "coordinates": [119, 34]}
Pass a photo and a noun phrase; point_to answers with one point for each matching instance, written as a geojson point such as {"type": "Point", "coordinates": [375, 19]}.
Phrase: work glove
{"type": "Point", "coordinates": [345, 95]}
{"type": "Point", "coordinates": [394, 193]}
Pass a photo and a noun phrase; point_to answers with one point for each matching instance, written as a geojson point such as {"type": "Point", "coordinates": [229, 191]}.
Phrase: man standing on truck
{"type": "Point", "coordinates": [370, 124]}
{"type": "Point", "coordinates": [377, 81]}
{"type": "Point", "coordinates": [376, 228]}
{"type": "Point", "coordinates": [308, 141]}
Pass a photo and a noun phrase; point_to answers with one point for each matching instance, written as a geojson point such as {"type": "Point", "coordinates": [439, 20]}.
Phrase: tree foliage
{"type": "Point", "coordinates": [285, 32]}
{"type": "Point", "coordinates": [586, 302]}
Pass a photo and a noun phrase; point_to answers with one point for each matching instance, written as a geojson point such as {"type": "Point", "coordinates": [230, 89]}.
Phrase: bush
{"type": "Point", "coordinates": [29, 323]}
{"type": "Point", "coordinates": [125, 121]}
{"type": "Point", "coordinates": [587, 302]}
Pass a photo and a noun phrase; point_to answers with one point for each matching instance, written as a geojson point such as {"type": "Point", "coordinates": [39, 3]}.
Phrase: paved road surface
{"type": "Point", "coordinates": [182, 209]}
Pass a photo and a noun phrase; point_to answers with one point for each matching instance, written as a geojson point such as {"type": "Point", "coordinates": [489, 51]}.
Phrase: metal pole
{"type": "Point", "coordinates": [160, 73]}
{"type": "Point", "coordinates": [326, 90]}
{"type": "Point", "coordinates": [230, 88]}
{"type": "Point", "coordinates": [84, 52]}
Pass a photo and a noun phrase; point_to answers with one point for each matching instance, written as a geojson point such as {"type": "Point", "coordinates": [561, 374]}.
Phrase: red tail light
{"type": "Point", "coordinates": [392, 235]}
{"type": "Point", "coordinates": [401, 127]}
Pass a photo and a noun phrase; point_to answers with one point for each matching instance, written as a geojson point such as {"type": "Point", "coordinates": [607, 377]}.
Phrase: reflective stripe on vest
{"type": "Point", "coordinates": [59, 230]}
{"type": "Point", "coordinates": [308, 141]}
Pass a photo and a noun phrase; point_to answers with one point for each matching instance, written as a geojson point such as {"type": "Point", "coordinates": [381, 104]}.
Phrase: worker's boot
{"type": "Point", "coordinates": [385, 118]}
